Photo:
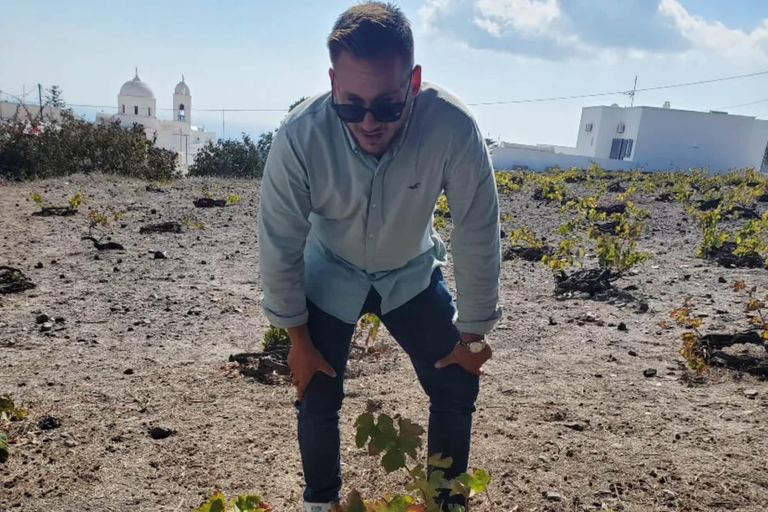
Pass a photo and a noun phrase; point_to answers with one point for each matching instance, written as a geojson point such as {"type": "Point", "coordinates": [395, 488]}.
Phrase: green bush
{"type": "Point", "coordinates": [229, 158]}
{"type": "Point", "coordinates": [32, 148]}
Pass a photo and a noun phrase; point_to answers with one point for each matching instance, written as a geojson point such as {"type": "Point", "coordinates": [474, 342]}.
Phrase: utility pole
{"type": "Point", "coordinates": [223, 130]}
{"type": "Point", "coordinates": [634, 91]}
{"type": "Point", "coordinates": [40, 98]}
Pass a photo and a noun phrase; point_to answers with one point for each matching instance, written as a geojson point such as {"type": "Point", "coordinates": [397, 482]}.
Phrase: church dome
{"type": "Point", "coordinates": [182, 87]}
{"type": "Point", "coordinates": [136, 87]}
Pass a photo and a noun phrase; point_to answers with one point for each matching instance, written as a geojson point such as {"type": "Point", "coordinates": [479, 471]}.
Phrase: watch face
{"type": "Point", "coordinates": [476, 346]}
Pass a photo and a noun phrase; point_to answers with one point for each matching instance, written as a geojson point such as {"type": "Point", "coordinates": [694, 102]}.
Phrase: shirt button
{"type": "Point", "coordinates": [374, 205]}
{"type": "Point", "coordinates": [370, 235]}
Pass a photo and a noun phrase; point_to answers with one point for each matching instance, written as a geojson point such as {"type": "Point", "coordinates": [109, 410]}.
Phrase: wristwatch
{"type": "Point", "coordinates": [474, 346]}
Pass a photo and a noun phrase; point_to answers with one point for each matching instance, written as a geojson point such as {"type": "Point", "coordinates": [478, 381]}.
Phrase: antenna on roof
{"type": "Point", "coordinates": [137, 74]}
{"type": "Point", "coordinates": [632, 93]}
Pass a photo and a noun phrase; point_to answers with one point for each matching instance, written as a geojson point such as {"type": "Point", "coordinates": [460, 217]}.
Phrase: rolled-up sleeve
{"type": "Point", "coordinates": [284, 208]}
{"type": "Point", "coordinates": [475, 246]}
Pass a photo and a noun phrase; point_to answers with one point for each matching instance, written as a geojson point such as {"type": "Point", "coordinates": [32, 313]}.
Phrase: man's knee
{"type": "Point", "coordinates": [323, 396]}
{"type": "Point", "coordinates": [452, 389]}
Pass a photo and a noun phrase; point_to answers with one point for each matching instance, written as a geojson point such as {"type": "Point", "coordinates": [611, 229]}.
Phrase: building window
{"type": "Point", "coordinates": [765, 160]}
{"type": "Point", "coordinates": [135, 110]}
{"type": "Point", "coordinates": [621, 149]}
{"type": "Point", "coordinates": [588, 127]}
{"type": "Point", "coordinates": [182, 116]}
{"type": "Point", "coordinates": [149, 111]}
{"type": "Point", "coordinates": [123, 109]}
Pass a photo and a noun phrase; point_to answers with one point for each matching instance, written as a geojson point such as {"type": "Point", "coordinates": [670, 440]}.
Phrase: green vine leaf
{"type": "Point", "coordinates": [4, 451]}
{"type": "Point", "coordinates": [355, 503]}
{"type": "Point", "coordinates": [437, 461]}
{"type": "Point", "coordinates": [216, 503]}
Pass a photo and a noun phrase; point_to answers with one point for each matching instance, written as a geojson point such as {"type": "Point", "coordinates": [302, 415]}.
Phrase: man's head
{"type": "Point", "coordinates": [371, 49]}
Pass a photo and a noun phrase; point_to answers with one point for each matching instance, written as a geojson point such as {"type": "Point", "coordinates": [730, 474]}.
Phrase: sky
{"type": "Point", "coordinates": [263, 54]}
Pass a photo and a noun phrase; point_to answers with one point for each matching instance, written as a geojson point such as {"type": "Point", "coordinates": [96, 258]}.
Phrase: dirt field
{"type": "Point", "coordinates": [145, 342]}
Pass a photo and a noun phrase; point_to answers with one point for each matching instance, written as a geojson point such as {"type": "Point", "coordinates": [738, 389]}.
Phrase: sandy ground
{"type": "Point", "coordinates": [564, 408]}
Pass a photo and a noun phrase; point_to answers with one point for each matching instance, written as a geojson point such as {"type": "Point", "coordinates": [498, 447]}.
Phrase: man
{"type": "Point", "coordinates": [346, 209]}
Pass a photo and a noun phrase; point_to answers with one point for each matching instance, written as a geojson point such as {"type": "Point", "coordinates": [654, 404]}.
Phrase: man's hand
{"type": "Point", "coordinates": [466, 359]}
{"type": "Point", "coordinates": [305, 360]}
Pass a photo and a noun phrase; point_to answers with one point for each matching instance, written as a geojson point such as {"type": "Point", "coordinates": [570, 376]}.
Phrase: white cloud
{"type": "Point", "coordinates": [715, 36]}
{"type": "Point", "coordinates": [489, 26]}
{"type": "Point", "coordinates": [530, 16]}
{"type": "Point", "coordinates": [589, 29]}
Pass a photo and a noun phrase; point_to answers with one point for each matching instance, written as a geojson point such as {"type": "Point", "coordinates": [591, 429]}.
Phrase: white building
{"type": "Point", "coordinates": [136, 104]}
{"type": "Point", "coordinates": [651, 138]}
{"type": "Point", "coordinates": [29, 112]}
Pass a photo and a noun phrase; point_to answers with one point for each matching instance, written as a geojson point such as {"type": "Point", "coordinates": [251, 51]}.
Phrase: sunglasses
{"type": "Point", "coordinates": [382, 113]}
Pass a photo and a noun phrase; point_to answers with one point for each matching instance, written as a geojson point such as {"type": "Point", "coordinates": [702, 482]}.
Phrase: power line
{"type": "Point", "coordinates": [509, 102]}
{"type": "Point", "coordinates": [196, 110]}
{"type": "Point", "coordinates": [616, 93]}
{"type": "Point", "coordinates": [742, 105]}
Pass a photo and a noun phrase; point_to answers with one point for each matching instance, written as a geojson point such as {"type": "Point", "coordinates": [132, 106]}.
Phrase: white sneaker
{"type": "Point", "coordinates": [318, 507]}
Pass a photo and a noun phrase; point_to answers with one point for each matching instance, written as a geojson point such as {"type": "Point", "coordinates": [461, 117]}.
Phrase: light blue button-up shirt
{"type": "Point", "coordinates": [335, 221]}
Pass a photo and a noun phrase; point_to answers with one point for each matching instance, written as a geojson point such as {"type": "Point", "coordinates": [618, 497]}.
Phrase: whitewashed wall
{"type": "Point", "coordinates": [8, 110]}
{"type": "Point", "coordinates": [539, 161]}
{"type": "Point", "coordinates": [677, 139]}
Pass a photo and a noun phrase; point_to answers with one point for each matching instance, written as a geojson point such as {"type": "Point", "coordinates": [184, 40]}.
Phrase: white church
{"type": "Point", "coordinates": [136, 103]}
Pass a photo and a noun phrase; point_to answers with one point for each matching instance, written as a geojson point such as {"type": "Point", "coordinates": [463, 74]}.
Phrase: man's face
{"type": "Point", "coordinates": [371, 82]}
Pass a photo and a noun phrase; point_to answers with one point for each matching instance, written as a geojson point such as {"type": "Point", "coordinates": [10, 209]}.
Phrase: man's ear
{"type": "Point", "coordinates": [330, 76]}
{"type": "Point", "coordinates": [416, 81]}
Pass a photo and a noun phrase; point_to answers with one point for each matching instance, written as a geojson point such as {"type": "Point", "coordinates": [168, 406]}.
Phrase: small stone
{"type": "Point", "coordinates": [39, 265]}
{"type": "Point", "coordinates": [553, 496]}
{"type": "Point", "coordinates": [578, 427]}
{"type": "Point", "coordinates": [62, 276]}
{"type": "Point", "coordinates": [721, 280]}
{"type": "Point", "coordinates": [41, 319]}
{"type": "Point", "coordinates": [119, 260]}
{"type": "Point", "coordinates": [622, 326]}
{"type": "Point", "coordinates": [650, 372]}
{"type": "Point", "coordinates": [153, 211]}
{"type": "Point", "coordinates": [160, 432]}
{"type": "Point", "coordinates": [48, 423]}
{"type": "Point", "coordinates": [633, 353]}
{"type": "Point", "coordinates": [47, 326]}
{"type": "Point", "coordinates": [96, 257]}
{"type": "Point", "coordinates": [687, 277]}
{"type": "Point", "coordinates": [115, 270]}
{"type": "Point", "coordinates": [750, 393]}
{"type": "Point", "coordinates": [552, 321]}
{"type": "Point", "coordinates": [203, 262]}
{"type": "Point", "coordinates": [373, 405]}
{"type": "Point", "coordinates": [160, 255]}
{"type": "Point", "coordinates": [128, 371]}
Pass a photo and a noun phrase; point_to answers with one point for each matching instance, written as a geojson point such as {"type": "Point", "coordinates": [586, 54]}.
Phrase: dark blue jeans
{"type": "Point", "coordinates": [424, 329]}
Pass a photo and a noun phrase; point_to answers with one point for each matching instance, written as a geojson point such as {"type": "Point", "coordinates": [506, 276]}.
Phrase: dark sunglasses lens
{"type": "Point", "coordinates": [388, 113]}
{"type": "Point", "coordinates": [350, 113]}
